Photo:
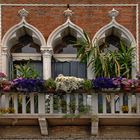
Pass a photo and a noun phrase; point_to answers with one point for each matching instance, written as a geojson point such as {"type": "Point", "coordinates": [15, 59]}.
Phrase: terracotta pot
{"type": "Point", "coordinates": [137, 89]}
{"type": "Point", "coordinates": [125, 111]}
{"type": "Point", "coordinates": [51, 90]}
{"type": "Point", "coordinates": [126, 88]}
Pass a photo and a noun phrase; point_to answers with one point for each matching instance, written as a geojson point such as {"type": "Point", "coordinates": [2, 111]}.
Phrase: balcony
{"type": "Point", "coordinates": [95, 109]}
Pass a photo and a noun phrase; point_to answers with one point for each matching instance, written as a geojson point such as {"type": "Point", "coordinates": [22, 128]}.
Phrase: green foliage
{"type": "Point", "coordinates": [50, 84]}
{"type": "Point", "coordinates": [71, 116]}
{"type": "Point", "coordinates": [72, 106]}
{"type": "Point", "coordinates": [84, 109]}
{"type": "Point", "coordinates": [125, 58]}
{"type": "Point", "coordinates": [56, 103]}
{"type": "Point", "coordinates": [26, 71]}
{"type": "Point", "coordinates": [84, 47]}
{"type": "Point", "coordinates": [87, 85]}
{"type": "Point", "coordinates": [106, 63]}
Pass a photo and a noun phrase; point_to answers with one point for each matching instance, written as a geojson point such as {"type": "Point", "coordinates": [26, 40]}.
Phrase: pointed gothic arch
{"type": "Point", "coordinates": [127, 34]}
{"type": "Point", "coordinates": [11, 38]}
{"type": "Point", "coordinates": [23, 24]}
{"type": "Point", "coordinates": [123, 33]}
{"type": "Point", "coordinates": [57, 32]}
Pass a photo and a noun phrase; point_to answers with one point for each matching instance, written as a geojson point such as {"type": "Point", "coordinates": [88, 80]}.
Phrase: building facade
{"type": "Point", "coordinates": [42, 31]}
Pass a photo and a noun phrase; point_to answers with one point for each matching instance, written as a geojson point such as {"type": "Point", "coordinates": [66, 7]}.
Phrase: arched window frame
{"type": "Point", "coordinates": [124, 31]}
{"type": "Point", "coordinates": [11, 33]}
{"type": "Point", "coordinates": [57, 34]}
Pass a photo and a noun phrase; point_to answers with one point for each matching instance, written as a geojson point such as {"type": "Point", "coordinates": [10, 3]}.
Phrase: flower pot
{"type": "Point", "coordinates": [126, 88]}
{"type": "Point", "coordinates": [125, 111]}
{"type": "Point", "coordinates": [137, 89]}
{"type": "Point", "coordinates": [50, 90]}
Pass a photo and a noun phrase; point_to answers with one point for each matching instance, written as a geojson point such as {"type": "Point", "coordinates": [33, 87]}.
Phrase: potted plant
{"type": "Point", "coordinates": [50, 85]}
{"type": "Point", "coordinates": [5, 85]}
{"type": "Point", "coordinates": [106, 83]}
{"type": "Point", "coordinates": [87, 85]}
{"type": "Point", "coordinates": [134, 108]}
{"type": "Point", "coordinates": [137, 82]}
{"type": "Point", "coordinates": [28, 85]}
{"type": "Point", "coordinates": [68, 84]}
{"type": "Point", "coordinates": [125, 108]}
{"type": "Point", "coordinates": [127, 84]}
{"type": "Point", "coordinates": [106, 63]}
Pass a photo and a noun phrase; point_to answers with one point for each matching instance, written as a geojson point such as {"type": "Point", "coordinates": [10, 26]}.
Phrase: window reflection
{"type": "Point", "coordinates": [25, 45]}
{"type": "Point", "coordinates": [66, 46]}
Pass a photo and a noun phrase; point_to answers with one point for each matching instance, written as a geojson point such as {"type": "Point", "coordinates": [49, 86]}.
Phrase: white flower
{"type": "Point", "coordinates": [68, 83]}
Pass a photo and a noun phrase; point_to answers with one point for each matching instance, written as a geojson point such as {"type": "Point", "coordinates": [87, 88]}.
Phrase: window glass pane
{"type": "Point", "coordinates": [66, 46]}
{"type": "Point", "coordinates": [25, 45]}
{"type": "Point", "coordinates": [112, 43]}
{"type": "Point", "coordinates": [35, 65]}
{"type": "Point", "coordinates": [72, 68]}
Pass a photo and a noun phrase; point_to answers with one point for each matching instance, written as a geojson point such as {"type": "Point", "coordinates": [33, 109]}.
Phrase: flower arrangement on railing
{"type": "Point", "coordinates": [28, 85]}
{"type": "Point", "coordinates": [128, 84]}
{"type": "Point", "coordinates": [68, 83]}
{"type": "Point", "coordinates": [106, 83]}
{"type": "Point", "coordinates": [5, 85]}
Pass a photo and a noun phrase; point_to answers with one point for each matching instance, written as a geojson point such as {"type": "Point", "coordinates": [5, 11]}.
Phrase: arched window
{"type": "Point", "coordinates": [25, 51]}
{"type": "Point", "coordinates": [113, 40]}
{"type": "Point", "coordinates": [64, 58]}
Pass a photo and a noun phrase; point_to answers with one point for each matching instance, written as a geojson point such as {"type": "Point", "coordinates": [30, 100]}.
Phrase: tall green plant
{"type": "Point", "coordinates": [26, 71]}
{"type": "Point", "coordinates": [109, 63]}
{"type": "Point", "coordinates": [84, 47]}
{"type": "Point", "coordinates": [126, 57]}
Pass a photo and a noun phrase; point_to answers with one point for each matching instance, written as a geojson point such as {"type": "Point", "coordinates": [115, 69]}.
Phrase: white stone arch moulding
{"type": "Point", "coordinates": [62, 27]}
{"type": "Point", "coordinates": [23, 23]}
{"type": "Point", "coordinates": [126, 32]}
{"type": "Point", "coordinates": [115, 24]}
{"type": "Point", "coordinates": [18, 26]}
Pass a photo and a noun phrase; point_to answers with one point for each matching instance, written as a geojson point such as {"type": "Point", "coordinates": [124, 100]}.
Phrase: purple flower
{"type": "Point", "coordinates": [102, 82]}
{"type": "Point", "coordinates": [28, 85]}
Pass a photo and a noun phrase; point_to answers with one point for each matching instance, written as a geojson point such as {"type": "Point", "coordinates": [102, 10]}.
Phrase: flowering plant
{"type": "Point", "coordinates": [68, 83]}
{"type": "Point", "coordinates": [28, 85]}
{"type": "Point", "coordinates": [127, 82]}
{"type": "Point", "coordinates": [103, 82]}
{"type": "Point", "coordinates": [125, 108]}
{"type": "Point", "coordinates": [5, 85]}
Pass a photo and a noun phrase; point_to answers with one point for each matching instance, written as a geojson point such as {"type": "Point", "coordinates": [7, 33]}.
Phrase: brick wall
{"type": "Point", "coordinates": [67, 132]}
{"type": "Point", "coordinates": [69, 1]}
{"type": "Point", "coordinates": [46, 19]}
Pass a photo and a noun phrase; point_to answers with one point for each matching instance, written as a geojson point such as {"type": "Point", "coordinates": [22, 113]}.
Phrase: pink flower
{"type": "Point", "coordinates": [2, 75]}
{"type": "Point", "coordinates": [7, 88]}
{"type": "Point", "coordinates": [127, 82]}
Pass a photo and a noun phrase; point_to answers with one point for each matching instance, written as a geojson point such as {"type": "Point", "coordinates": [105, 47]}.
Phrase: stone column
{"type": "Point", "coordinates": [5, 60]}
{"type": "Point", "coordinates": [47, 55]}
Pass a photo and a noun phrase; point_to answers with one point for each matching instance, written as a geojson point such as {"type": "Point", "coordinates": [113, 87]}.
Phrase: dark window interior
{"type": "Point", "coordinates": [66, 46]}
{"type": "Point", "coordinates": [112, 43]}
{"type": "Point", "coordinates": [36, 65]}
{"type": "Point", "coordinates": [72, 68]}
{"type": "Point", "coordinates": [25, 45]}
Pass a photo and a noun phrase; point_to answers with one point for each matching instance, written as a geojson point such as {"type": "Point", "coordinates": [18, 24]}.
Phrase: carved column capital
{"type": "Point", "coordinates": [4, 50]}
{"type": "Point", "coordinates": [47, 52]}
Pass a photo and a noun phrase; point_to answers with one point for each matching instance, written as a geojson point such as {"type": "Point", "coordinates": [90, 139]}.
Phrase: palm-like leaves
{"type": "Point", "coordinates": [126, 59]}
{"type": "Point", "coordinates": [84, 47]}
{"type": "Point", "coordinates": [106, 64]}
{"type": "Point", "coordinates": [26, 71]}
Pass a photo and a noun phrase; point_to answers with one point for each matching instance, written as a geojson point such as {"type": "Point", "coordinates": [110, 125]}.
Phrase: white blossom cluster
{"type": "Point", "coordinates": [68, 83]}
